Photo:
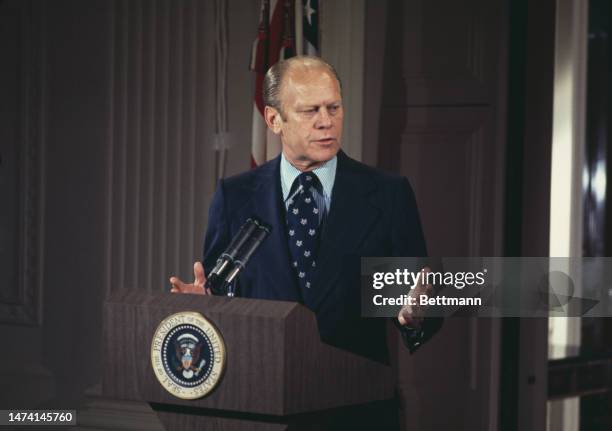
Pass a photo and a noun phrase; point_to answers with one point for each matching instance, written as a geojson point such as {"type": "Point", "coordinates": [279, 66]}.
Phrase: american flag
{"type": "Point", "coordinates": [310, 26]}
{"type": "Point", "coordinates": [280, 20]}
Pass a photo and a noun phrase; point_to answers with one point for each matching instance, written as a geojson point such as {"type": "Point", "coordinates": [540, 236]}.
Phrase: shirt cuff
{"type": "Point", "coordinates": [412, 337]}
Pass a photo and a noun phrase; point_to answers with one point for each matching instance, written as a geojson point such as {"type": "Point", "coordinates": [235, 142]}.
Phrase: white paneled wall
{"type": "Point", "coordinates": [160, 160]}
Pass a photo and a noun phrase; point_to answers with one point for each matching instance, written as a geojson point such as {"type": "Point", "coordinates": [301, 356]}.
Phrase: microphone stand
{"type": "Point", "coordinates": [242, 258]}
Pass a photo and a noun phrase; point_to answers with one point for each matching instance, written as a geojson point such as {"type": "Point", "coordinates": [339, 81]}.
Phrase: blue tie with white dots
{"type": "Point", "coordinates": [303, 227]}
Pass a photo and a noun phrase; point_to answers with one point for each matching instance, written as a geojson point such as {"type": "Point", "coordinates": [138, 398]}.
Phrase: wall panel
{"type": "Point", "coordinates": [161, 160]}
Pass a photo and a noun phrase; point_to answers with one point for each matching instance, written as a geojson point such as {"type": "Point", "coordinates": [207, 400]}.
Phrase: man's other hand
{"type": "Point", "coordinates": [413, 315]}
{"type": "Point", "coordinates": [197, 287]}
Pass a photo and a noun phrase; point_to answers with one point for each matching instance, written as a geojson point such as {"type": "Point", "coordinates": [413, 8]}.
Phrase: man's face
{"type": "Point", "coordinates": [311, 123]}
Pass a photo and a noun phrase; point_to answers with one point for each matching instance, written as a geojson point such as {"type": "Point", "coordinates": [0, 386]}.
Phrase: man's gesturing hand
{"type": "Point", "coordinates": [197, 287]}
{"type": "Point", "coordinates": [413, 315]}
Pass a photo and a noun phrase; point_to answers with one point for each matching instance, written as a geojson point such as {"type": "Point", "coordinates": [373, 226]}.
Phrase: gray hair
{"type": "Point", "coordinates": [274, 77]}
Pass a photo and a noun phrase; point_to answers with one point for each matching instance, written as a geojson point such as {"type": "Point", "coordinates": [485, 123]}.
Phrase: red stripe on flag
{"type": "Point", "coordinates": [276, 32]}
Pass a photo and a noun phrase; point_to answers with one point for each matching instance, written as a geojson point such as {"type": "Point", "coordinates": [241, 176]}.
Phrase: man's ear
{"type": "Point", "coordinates": [273, 119]}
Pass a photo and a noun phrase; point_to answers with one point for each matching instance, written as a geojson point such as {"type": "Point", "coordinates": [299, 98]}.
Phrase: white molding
{"type": "Point", "coordinates": [566, 200]}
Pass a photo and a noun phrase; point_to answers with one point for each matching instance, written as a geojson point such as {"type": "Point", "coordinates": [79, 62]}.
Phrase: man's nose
{"type": "Point", "coordinates": [324, 119]}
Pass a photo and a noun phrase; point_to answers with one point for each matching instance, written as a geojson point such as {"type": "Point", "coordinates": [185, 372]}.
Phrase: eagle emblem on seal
{"type": "Point", "coordinates": [187, 349]}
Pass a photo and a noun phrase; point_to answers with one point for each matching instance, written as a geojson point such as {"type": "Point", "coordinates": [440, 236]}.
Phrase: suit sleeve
{"type": "Point", "coordinates": [217, 232]}
{"type": "Point", "coordinates": [408, 240]}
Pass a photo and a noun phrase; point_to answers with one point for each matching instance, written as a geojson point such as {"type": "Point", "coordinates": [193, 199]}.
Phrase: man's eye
{"type": "Point", "coordinates": [310, 111]}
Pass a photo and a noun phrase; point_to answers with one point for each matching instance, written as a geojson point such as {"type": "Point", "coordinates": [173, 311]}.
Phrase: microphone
{"type": "Point", "coordinates": [252, 243]}
{"type": "Point", "coordinates": [226, 260]}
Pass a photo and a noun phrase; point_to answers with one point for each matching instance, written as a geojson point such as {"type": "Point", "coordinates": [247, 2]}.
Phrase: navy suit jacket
{"type": "Point", "coordinates": [372, 214]}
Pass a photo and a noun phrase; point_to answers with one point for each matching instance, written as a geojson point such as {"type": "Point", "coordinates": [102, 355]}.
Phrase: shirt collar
{"type": "Point", "coordinates": [326, 174]}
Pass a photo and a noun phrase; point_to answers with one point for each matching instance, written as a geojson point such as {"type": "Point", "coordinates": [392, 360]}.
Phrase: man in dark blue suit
{"type": "Point", "coordinates": [325, 211]}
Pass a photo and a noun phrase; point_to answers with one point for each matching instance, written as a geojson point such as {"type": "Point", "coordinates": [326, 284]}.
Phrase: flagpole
{"type": "Point", "coordinates": [221, 46]}
{"type": "Point", "coordinates": [299, 32]}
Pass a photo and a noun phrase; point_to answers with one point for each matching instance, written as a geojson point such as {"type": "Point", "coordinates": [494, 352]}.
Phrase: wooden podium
{"type": "Point", "coordinates": [278, 374]}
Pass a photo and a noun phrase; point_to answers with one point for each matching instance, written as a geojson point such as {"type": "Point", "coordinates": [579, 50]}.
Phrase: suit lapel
{"type": "Point", "coordinates": [350, 219]}
{"type": "Point", "coordinates": [272, 259]}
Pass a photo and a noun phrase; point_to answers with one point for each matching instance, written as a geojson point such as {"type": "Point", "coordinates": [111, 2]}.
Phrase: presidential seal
{"type": "Point", "coordinates": [187, 355]}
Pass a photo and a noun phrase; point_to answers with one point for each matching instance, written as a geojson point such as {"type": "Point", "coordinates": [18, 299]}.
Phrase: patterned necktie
{"type": "Point", "coordinates": [303, 226]}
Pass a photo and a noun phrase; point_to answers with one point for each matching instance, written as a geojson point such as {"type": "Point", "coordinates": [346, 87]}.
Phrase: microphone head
{"type": "Point", "coordinates": [242, 257]}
